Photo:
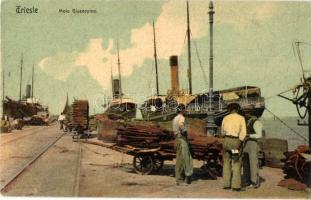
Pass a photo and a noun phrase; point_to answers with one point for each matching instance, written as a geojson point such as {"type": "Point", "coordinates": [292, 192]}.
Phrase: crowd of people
{"type": "Point", "coordinates": [240, 149]}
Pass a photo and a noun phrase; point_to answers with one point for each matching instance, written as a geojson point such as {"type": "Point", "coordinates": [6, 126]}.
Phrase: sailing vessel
{"type": "Point", "coordinates": [163, 107]}
{"type": "Point", "coordinates": [120, 106]}
{"type": "Point", "coordinates": [26, 106]}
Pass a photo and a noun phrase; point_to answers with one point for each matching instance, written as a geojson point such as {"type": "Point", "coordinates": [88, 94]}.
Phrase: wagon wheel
{"type": "Point", "coordinates": [143, 164]}
{"type": "Point", "coordinates": [157, 163]}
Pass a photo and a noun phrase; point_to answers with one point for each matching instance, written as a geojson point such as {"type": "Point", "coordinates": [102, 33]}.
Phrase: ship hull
{"type": "Point", "coordinates": [122, 110]}
{"type": "Point", "coordinates": [17, 109]}
{"type": "Point", "coordinates": [248, 97]}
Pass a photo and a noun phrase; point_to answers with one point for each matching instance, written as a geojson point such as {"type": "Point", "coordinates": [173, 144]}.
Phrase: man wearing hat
{"type": "Point", "coordinates": [183, 167]}
{"type": "Point", "coordinates": [234, 129]}
{"type": "Point", "coordinates": [251, 149]}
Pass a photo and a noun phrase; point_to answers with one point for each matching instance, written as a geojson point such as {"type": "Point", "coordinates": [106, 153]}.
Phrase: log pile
{"type": "Point", "coordinates": [142, 136]}
{"type": "Point", "coordinates": [297, 165]}
{"type": "Point", "coordinates": [106, 128]}
{"type": "Point", "coordinates": [80, 114]}
{"type": "Point", "coordinates": [202, 147]}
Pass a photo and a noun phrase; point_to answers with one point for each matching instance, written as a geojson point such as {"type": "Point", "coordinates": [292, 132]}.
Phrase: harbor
{"type": "Point", "coordinates": [78, 169]}
{"type": "Point", "coordinates": [140, 114]}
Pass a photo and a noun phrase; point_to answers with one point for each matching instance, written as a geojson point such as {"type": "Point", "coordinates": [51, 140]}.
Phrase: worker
{"type": "Point", "coordinates": [183, 167]}
{"type": "Point", "coordinates": [5, 125]}
{"type": "Point", "coordinates": [61, 120]}
{"type": "Point", "coordinates": [251, 149]}
{"type": "Point", "coordinates": [234, 130]}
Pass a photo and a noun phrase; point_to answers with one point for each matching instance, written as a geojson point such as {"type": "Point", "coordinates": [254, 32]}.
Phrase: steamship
{"type": "Point", "coordinates": [163, 107]}
{"type": "Point", "coordinates": [120, 107]}
{"type": "Point", "coordinates": [26, 106]}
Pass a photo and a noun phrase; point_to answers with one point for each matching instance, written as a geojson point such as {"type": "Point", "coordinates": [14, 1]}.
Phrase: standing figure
{"type": "Point", "coordinates": [251, 149]}
{"type": "Point", "coordinates": [234, 130]}
{"type": "Point", "coordinates": [5, 126]}
{"type": "Point", "coordinates": [61, 120]}
{"type": "Point", "coordinates": [183, 167]}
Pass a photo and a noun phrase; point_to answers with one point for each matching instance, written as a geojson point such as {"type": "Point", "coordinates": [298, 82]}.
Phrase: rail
{"type": "Point", "coordinates": [6, 185]}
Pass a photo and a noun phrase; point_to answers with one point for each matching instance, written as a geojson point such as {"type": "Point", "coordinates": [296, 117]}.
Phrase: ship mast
{"type": "Point", "coordinates": [2, 85]}
{"type": "Point", "coordinates": [21, 77]}
{"type": "Point", "coordinates": [2, 91]}
{"type": "Point", "coordinates": [189, 50]}
{"type": "Point", "coordinates": [32, 82]}
{"type": "Point", "coordinates": [111, 79]}
{"type": "Point", "coordinates": [155, 59]}
{"type": "Point", "coordinates": [119, 70]}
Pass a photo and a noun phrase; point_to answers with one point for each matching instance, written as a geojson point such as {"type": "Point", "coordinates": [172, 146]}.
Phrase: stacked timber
{"type": "Point", "coordinates": [143, 136]}
{"type": "Point", "coordinates": [202, 147]}
{"type": "Point", "coordinates": [80, 114]}
{"type": "Point", "coordinates": [106, 128]}
{"type": "Point", "coordinates": [92, 123]}
{"type": "Point", "coordinates": [206, 147]}
{"type": "Point", "coordinates": [297, 165]}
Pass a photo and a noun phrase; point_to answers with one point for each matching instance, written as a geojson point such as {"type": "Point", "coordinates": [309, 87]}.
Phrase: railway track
{"type": "Point", "coordinates": [23, 136]}
{"type": "Point", "coordinates": [4, 187]}
{"type": "Point", "coordinates": [76, 185]}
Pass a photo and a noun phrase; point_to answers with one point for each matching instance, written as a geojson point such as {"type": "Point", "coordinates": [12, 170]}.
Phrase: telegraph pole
{"type": "Point", "coordinates": [189, 50]}
{"type": "Point", "coordinates": [155, 59]}
{"type": "Point", "coordinates": [21, 78]}
{"type": "Point", "coordinates": [211, 126]}
{"type": "Point", "coordinates": [211, 73]}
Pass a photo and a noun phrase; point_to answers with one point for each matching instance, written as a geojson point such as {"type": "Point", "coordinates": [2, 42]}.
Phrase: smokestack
{"type": "Point", "coordinates": [116, 88]}
{"type": "Point", "coordinates": [174, 73]}
{"type": "Point", "coordinates": [28, 91]}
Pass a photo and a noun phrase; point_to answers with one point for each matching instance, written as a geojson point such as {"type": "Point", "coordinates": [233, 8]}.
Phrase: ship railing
{"type": "Point", "coordinates": [256, 102]}
{"type": "Point", "coordinates": [205, 107]}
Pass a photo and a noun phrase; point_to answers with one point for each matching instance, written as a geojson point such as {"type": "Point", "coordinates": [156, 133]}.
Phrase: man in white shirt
{"type": "Point", "coordinates": [61, 119]}
{"type": "Point", "coordinates": [251, 149]}
{"type": "Point", "coordinates": [183, 167]}
{"type": "Point", "coordinates": [234, 129]}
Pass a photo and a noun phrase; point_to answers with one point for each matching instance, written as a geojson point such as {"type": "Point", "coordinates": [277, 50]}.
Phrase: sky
{"type": "Point", "coordinates": [74, 53]}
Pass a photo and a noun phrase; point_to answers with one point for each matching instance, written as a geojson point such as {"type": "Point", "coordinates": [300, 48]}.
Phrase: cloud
{"type": "Point", "coordinates": [98, 60]}
{"type": "Point", "coordinates": [170, 36]}
{"type": "Point", "coordinates": [59, 65]}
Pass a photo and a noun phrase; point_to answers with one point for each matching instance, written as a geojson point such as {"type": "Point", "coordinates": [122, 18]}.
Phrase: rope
{"type": "Point", "coordinates": [269, 97]}
{"type": "Point", "coordinates": [200, 62]}
{"type": "Point", "coordinates": [287, 125]}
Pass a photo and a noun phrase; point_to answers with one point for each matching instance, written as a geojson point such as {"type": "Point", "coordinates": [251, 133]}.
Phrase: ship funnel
{"type": "Point", "coordinates": [28, 91]}
{"type": "Point", "coordinates": [174, 73]}
{"type": "Point", "coordinates": [116, 88]}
